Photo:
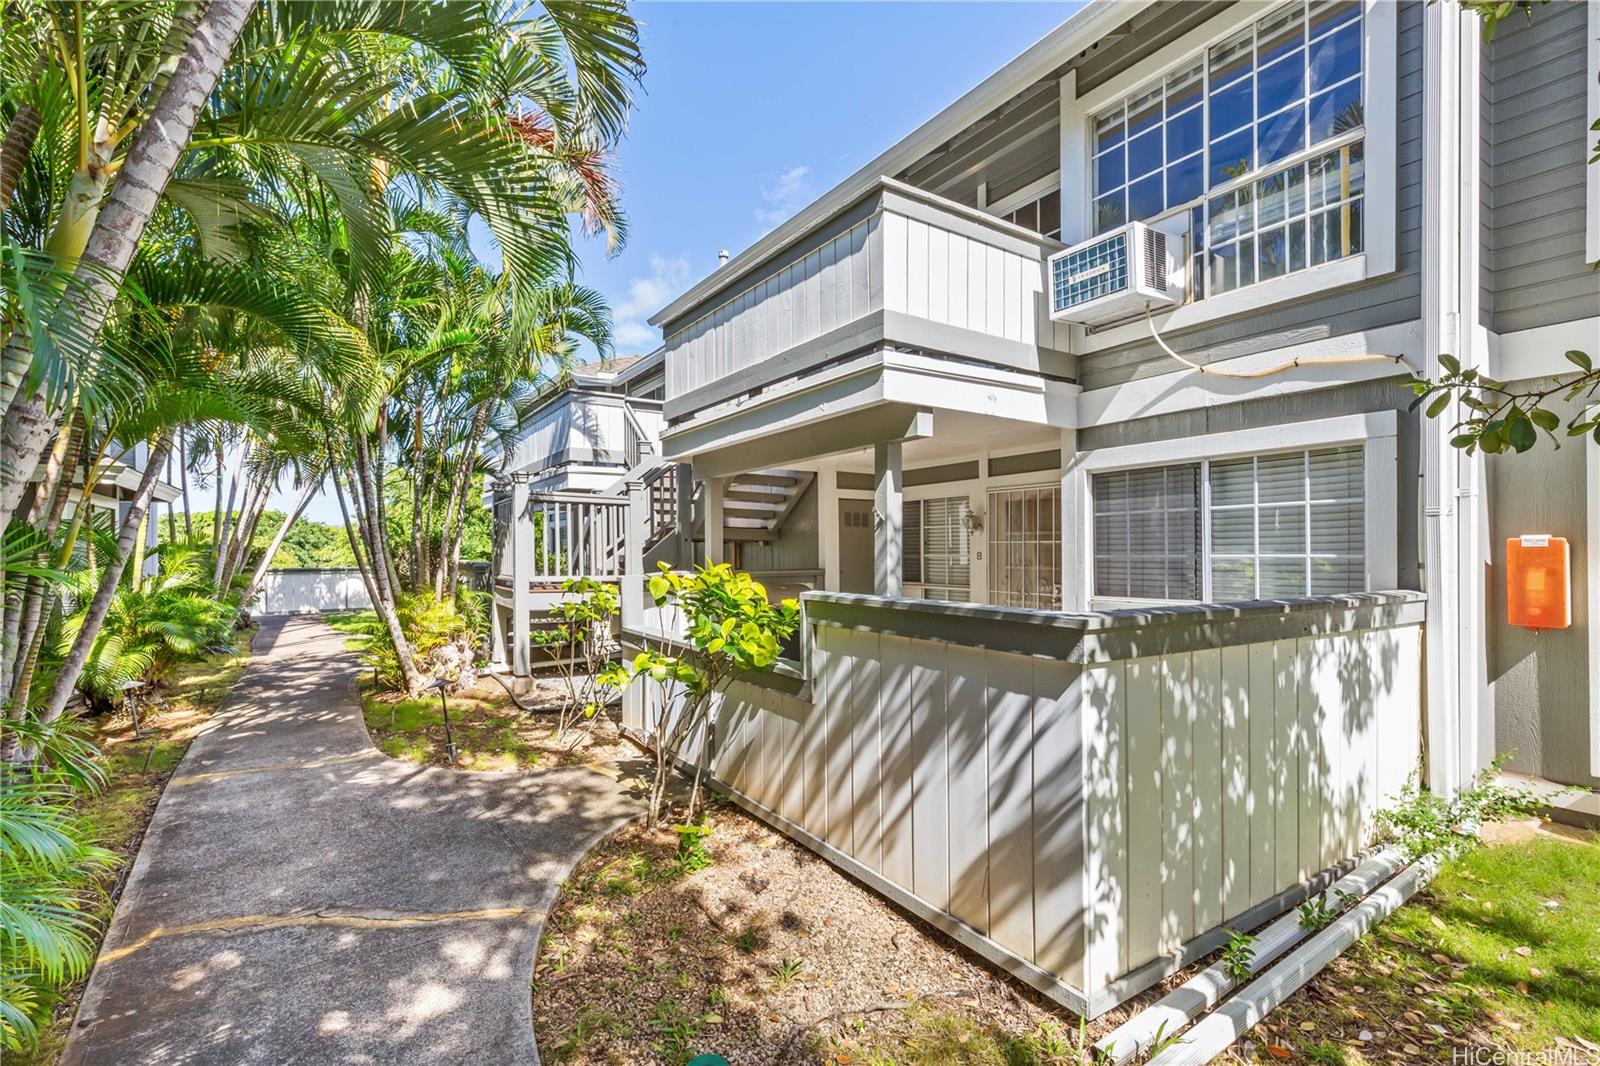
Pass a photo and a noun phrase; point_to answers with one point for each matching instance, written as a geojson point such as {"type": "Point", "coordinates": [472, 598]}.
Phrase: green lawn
{"type": "Point", "coordinates": [1501, 951]}
{"type": "Point", "coordinates": [356, 625]}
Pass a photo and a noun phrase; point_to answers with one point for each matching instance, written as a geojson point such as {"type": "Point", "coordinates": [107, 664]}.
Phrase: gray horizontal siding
{"type": "Point", "coordinates": [1533, 266]}
{"type": "Point", "coordinates": [1381, 302]}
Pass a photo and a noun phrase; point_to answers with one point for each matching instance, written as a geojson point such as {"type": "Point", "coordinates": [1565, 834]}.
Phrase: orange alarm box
{"type": "Point", "coordinates": [1539, 582]}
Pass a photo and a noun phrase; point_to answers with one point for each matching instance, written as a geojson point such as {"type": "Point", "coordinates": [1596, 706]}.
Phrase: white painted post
{"type": "Point", "coordinates": [886, 505]}
{"type": "Point", "coordinates": [521, 576]}
{"type": "Point", "coordinates": [685, 483]}
{"type": "Point", "coordinates": [633, 575]}
{"type": "Point", "coordinates": [715, 549]}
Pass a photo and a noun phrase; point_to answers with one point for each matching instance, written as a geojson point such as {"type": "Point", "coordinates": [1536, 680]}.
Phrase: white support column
{"type": "Point", "coordinates": [887, 514]}
{"type": "Point", "coordinates": [521, 576]}
{"type": "Point", "coordinates": [715, 549]}
{"type": "Point", "coordinates": [632, 590]}
{"type": "Point", "coordinates": [685, 483]}
{"type": "Point", "coordinates": [1075, 531]}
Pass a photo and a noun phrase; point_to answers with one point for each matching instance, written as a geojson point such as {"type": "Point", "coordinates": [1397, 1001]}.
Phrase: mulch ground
{"type": "Point", "coordinates": [769, 955]}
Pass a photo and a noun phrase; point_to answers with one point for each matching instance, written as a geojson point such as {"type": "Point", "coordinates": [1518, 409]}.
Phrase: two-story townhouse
{"type": "Point", "coordinates": [1123, 626]}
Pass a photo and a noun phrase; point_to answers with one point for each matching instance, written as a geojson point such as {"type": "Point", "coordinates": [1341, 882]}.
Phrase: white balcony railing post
{"type": "Point", "coordinates": [632, 578]}
{"type": "Point", "coordinates": [521, 579]}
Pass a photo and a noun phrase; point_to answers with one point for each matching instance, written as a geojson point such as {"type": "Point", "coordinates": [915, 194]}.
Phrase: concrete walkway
{"type": "Point", "coordinates": [302, 898]}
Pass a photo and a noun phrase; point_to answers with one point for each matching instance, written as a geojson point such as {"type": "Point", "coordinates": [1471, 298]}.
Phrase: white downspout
{"type": "Point", "coordinates": [1445, 697]}
{"type": "Point", "coordinates": [1476, 745]}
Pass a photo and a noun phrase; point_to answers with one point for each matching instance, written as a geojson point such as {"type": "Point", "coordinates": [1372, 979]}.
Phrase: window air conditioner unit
{"type": "Point", "coordinates": [1117, 275]}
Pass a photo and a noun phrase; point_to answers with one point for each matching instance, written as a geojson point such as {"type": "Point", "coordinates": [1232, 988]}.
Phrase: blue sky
{"type": "Point", "coordinates": [751, 110]}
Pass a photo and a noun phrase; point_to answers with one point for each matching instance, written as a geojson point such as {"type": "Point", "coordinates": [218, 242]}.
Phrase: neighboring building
{"type": "Point", "coordinates": [585, 435]}
{"type": "Point", "coordinates": [115, 490]}
{"type": "Point", "coordinates": [1338, 191]}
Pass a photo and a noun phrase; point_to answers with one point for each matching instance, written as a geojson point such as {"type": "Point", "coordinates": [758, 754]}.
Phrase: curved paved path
{"type": "Point", "coordinates": [302, 898]}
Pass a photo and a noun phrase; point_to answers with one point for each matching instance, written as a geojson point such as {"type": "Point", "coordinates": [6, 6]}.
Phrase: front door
{"type": "Point", "coordinates": [855, 546]}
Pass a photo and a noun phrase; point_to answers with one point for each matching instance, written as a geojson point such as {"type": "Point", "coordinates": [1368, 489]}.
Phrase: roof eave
{"type": "Point", "coordinates": [1084, 28]}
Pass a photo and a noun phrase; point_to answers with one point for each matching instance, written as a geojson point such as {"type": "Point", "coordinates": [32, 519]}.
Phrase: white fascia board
{"type": "Point", "coordinates": [1541, 351]}
{"type": "Point", "coordinates": [1186, 390]}
{"type": "Point", "coordinates": [979, 390]}
{"type": "Point", "coordinates": [896, 377]}
{"type": "Point", "coordinates": [639, 369]}
{"type": "Point", "coordinates": [1081, 30]}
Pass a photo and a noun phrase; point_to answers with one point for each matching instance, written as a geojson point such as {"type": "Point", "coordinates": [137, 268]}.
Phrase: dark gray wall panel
{"type": "Point", "coordinates": [1534, 272]}
{"type": "Point", "coordinates": [796, 546]}
{"type": "Point", "coordinates": [1541, 680]}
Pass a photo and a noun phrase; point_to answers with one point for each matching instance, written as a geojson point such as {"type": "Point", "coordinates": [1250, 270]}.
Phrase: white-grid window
{"type": "Point", "coordinates": [1271, 526]}
{"type": "Point", "coordinates": [1224, 140]}
{"type": "Point", "coordinates": [1287, 525]}
{"type": "Point", "coordinates": [1147, 533]}
{"type": "Point", "coordinates": [1025, 548]}
{"type": "Point", "coordinates": [938, 547]}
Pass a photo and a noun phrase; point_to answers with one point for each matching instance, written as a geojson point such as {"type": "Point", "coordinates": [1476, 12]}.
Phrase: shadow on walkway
{"type": "Point", "coordinates": [300, 897]}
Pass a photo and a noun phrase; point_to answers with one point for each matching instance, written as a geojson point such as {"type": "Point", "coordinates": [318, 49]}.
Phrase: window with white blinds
{"type": "Point", "coordinates": [1275, 526]}
{"type": "Point", "coordinates": [1147, 533]}
{"type": "Point", "coordinates": [1288, 525]}
{"type": "Point", "coordinates": [937, 547]}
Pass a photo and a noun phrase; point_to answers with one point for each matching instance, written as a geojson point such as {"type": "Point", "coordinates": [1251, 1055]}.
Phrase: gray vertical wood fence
{"type": "Point", "coordinates": [1085, 799]}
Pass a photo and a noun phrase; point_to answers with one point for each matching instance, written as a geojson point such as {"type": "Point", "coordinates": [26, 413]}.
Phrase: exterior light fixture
{"type": "Point", "coordinates": [131, 699]}
{"type": "Point", "coordinates": [449, 740]}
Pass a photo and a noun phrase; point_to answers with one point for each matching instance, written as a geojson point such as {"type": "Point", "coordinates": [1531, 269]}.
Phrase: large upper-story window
{"type": "Point", "coordinates": [1259, 142]}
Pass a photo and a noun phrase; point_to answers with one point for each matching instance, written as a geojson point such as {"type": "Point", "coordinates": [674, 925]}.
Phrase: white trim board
{"type": "Point", "coordinates": [1541, 351]}
{"type": "Point", "coordinates": [1185, 390]}
{"type": "Point", "coordinates": [1591, 463]}
{"type": "Point", "coordinates": [1591, 243]}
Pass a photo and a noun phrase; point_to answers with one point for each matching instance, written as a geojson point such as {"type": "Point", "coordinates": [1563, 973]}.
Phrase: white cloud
{"type": "Point", "coordinates": [785, 196]}
{"type": "Point", "coordinates": [630, 328]}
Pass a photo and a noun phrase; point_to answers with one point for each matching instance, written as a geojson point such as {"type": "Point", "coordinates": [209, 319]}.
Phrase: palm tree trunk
{"type": "Point", "coordinates": [458, 498]}
{"type": "Point", "coordinates": [183, 477]}
{"type": "Point", "coordinates": [353, 534]}
{"type": "Point", "coordinates": [239, 546]}
{"type": "Point", "coordinates": [21, 132]}
{"type": "Point", "coordinates": [30, 631]}
{"type": "Point", "coordinates": [417, 561]}
{"type": "Point", "coordinates": [227, 515]}
{"type": "Point", "coordinates": [120, 224]}
{"type": "Point", "coordinates": [67, 678]}
{"type": "Point", "coordinates": [382, 571]}
{"type": "Point", "coordinates": [216, 503]}
{"type": "Point", "coordinates": [307, 490]}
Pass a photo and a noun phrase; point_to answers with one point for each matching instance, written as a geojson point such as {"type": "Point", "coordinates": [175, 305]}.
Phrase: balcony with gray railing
{"type": "Point", "coordinates": [894, 267]}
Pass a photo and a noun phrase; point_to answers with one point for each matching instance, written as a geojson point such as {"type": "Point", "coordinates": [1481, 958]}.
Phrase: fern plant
{"type": "Point", "coordinates": [154, 625]}
{"type": "Point", "coordinates": [47, 865]}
